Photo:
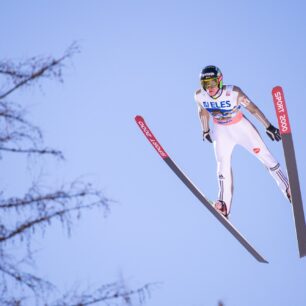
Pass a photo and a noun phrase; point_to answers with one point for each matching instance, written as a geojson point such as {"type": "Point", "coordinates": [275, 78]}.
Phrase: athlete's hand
{"type": "Point", "coordinates": [206, 135]}
{"type": "Point", "coordinates": [273, 133]}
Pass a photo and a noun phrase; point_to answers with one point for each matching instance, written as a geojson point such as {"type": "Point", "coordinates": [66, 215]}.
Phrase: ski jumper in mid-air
{"type": "Point", "coordinates": [223, 103]}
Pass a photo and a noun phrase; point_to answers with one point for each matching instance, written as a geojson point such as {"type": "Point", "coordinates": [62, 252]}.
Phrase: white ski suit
{"type": "Point", "coordinates": [231, 127]}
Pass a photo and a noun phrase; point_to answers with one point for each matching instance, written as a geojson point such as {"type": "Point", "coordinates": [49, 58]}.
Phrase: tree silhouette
{"type": "Point", "coordinates": [38, 209]}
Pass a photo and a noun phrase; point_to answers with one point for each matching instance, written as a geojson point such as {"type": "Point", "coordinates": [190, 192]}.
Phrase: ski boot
{"type": "Point", "coordinates": [220, 206]}
{"type": "Point", "coordinates": [288, 194]}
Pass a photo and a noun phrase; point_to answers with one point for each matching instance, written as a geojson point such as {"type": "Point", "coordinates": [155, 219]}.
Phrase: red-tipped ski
{"type": "Point", "coordinates": [285, 130]}
{"type": "Point", "coordinates": [162, 153]}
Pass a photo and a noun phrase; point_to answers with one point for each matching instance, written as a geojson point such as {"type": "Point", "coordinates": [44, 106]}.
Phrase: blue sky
{"type": "Point", "coordinates": [144, 57]}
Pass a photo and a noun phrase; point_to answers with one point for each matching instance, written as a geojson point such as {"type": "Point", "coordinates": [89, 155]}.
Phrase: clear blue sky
{"type": "Point", "coordinates": [144, 57]}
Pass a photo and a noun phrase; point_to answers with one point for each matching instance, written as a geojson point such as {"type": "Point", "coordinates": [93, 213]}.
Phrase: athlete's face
{"type": "Point", "coordinates": [211, 86]}
{"type": "Point", "coordinates": [212, 91]}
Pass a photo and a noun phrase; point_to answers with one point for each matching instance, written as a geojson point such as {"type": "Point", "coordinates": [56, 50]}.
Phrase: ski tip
{"type": "Point", "coordinates": [277, 88]}
{"type": "Point", "coordinates": [149, 135]}
{"type": "Point", "coordinates": [138, 118]}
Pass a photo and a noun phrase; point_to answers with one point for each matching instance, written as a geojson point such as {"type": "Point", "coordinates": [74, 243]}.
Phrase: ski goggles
{"type": "Point", "coordinates": [210, 83]}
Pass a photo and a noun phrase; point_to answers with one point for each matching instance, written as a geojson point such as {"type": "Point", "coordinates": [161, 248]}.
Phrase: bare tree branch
{"type": "Point", "coordinates": [106, 295]}
{"type": "Point", "coordinates": [34, 151]}
{"type": "Point", "coordinates": [17, 135]}
{"type": "Point", "coordinates": [33, 69]}
{"type": "Point", "coordinates": [46, 207]}
{"type": "Point", "coordinates": [36, 284]}
{"type": "Point", "coordinates": [38, 209]}
{"type": "Point", "coordinates": [11, 301]}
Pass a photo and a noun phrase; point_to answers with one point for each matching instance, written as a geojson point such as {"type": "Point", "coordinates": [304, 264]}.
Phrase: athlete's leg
{"type": "Point", "coordinates": [251, 140]}
{"type": "Point", "coordinates": [223, 146]}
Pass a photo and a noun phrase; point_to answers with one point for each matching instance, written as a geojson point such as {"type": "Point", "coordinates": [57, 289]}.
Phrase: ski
{"type": "Point", "coordinates": [288, 147]}
{"type": "Point", "coordinates": [208, 204]}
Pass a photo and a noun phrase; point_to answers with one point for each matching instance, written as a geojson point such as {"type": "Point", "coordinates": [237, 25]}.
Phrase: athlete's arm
{"type": "Point", "coordinates": [243, 100]}
{"type": "Point", "coordinates": [204, 119]}
{"type": "Point", "coordinates": [251, 107]}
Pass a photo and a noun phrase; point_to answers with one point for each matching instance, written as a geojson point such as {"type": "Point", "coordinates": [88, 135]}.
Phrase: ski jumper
{"type": "Point", "coordinates": [232, 128]}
